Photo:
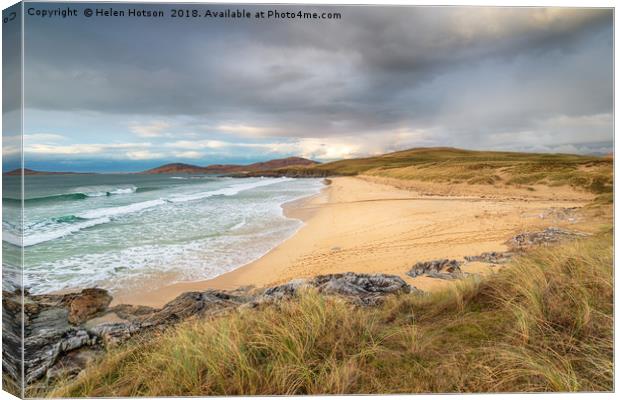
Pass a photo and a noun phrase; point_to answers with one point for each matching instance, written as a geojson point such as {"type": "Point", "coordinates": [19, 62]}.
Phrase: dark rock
{"type": "Point", "coordinates": [12, 336]}
{"type": "Point", "coordinates": [56, 325]}
{"type": "Point", "coordinates": [11, 303]}
{"type": "Point", "coordinates": [492, 257]}
{"type": "Point", "coordinates": [351, 283]}
{"type": "Point", "coordinates": [140, 319]}
{"type": "Point", "coordinates": [48, 320]}
{"type": "Point", "coordinates": [284, 291]}
{"type": "Point", "coordinates": [442, 269]}
{"type": "Point", "coordinates": [43, 349]}
{"type": "Point", "coordinates": [113, 334]}
{"type": "Point", "coordinates": [72, 363]}
{"type": "Point", "coordinates": [47, 331]}
{"type": "Point", "coordinates": [89, 303]}
{"type": "Point", "coordinates": [546, 237]}
{"type": "Point", "coordinates": [362, 289]}
{"type": "Point", "coordinates": [131, 312]}
{"type": "Point", "coordinates": [190, 304]}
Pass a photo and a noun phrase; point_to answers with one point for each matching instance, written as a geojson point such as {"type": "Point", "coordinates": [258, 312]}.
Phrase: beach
{"type": "Point", "coordinates": [371, 225]}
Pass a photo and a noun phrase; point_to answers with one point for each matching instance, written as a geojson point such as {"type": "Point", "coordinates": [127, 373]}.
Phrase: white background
{"type": "Point", "coordinates": [574, 3]}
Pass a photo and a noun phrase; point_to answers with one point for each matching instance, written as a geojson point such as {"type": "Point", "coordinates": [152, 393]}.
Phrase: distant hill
{"type": "Point", "coordinates": [279, 163]}
{"type": "Point", "coordinates": [18, 172]}
{"type": "Point", "coordinates": [175, 168]}
{"type": "Point", "coordinates": [180, 168]}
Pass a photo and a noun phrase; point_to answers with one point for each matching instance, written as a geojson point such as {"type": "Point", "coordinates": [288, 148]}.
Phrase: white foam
{"type": "Point", "coordinates": [239, 225]}
{"type": "Point", "coordinates": [11, 238]}
{"type": "Point", "coordinates": [128, 190]}
{"type": "Point", "coordinates": [96, 194]}
{"type": "Point", "coordinates": [100, 191]}
{"type": "Point", "coordinates": [121, 210]}
{"type": "Point", "coordinates": [229, 191]}
{"type": "Point", "coordinates": [191, 177]}
{"type": "Point", "coordinates": [52, 234]}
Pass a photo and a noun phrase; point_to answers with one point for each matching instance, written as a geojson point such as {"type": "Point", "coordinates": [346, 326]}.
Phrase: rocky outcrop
{"type": "Point", "coordinates": [42, 350]}
{"type": "Point", "coordinates": [139, 319]}
{"type": "Point", "coordinates": [551, 235]}
{"type": "Point", "coordinates": [492, 257]}
{"type": "Point", "coordinates": [47, 332]}
{"type": "Point", "coordinates": [284, 291]}
{"type": "Point", "coordinates": [67, 330]}
{"type": "Point", "coordinates": [74, 362]}
{"type": "Point", "coordinates": [190, 304]}
{"type": "Point", "coordinates": [88, 304]}
{"type": "Point", "coordinates": [131, 312]}
{"type": "Point", "coordinates": [524, 241]}
{"type": "Point", "coordinates": [64, 333]}
{"type": "Point", "coordinates": [363, 289]}
{"type": "Point", "coordinates": [442, 269]}
{"type": "Point", "coordinates": [12, 335]}
{"type": "Point", "coordinates": [451, 269]}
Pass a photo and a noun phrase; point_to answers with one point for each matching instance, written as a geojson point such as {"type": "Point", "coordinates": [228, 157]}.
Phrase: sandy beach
{"type": "Point", "coordinates": [370, 225]}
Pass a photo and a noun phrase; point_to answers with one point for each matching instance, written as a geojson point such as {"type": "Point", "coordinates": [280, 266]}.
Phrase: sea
{"type": "Point", "coordinates": [120, 231]}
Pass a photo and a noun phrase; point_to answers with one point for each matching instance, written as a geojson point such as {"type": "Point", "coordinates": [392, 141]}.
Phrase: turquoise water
{"type": "Point", "coordinates": [120, 231]}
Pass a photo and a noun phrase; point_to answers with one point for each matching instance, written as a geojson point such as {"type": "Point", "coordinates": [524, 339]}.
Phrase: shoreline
{"type": "Point", "coordinates": [359, 225]}
{"type": "Point", "coordinates": [301, 209]}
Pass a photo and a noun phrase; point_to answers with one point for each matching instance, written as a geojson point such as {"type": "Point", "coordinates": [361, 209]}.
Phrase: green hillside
{"type": "Point", "coordinates": [449, 165]}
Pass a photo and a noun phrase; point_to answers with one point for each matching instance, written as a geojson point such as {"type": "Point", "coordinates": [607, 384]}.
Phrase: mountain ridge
{"type": "Point", "coordinates": [182, 168]}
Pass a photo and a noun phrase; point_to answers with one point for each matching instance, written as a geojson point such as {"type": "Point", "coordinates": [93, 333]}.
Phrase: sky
{"type": "Point", "coordinates": [126, 94]}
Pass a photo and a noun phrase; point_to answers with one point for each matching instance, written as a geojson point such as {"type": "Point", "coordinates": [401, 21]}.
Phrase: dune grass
{"type": "Point", "coordinates": [542, 324]}
{"type": "Point", "coordinates": [591, 177]}
{"type": "Point", "coordinates": [448, 165]}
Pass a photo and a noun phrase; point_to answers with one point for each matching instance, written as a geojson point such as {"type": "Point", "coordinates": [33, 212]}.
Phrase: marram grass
{"type": "Point", "coordinates": [448, 165]}
{"type": "Point", "coordinates": [542, 324]}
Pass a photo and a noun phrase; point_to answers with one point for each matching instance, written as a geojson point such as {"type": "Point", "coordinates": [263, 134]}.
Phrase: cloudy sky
{"type": "Point", "coordinates": [124, 94]}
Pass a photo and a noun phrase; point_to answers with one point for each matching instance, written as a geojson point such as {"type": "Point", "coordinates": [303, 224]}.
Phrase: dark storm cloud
{"type": "Point", "coordinates": [451, 76]}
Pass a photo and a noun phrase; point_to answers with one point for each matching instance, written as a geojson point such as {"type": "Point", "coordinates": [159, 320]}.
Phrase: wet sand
{"type": "Point", "coordinates": [364, 225]}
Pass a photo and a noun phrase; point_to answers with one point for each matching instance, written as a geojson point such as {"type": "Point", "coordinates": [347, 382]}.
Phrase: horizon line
{"type": "Point", "coordinates": [93, 172]}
